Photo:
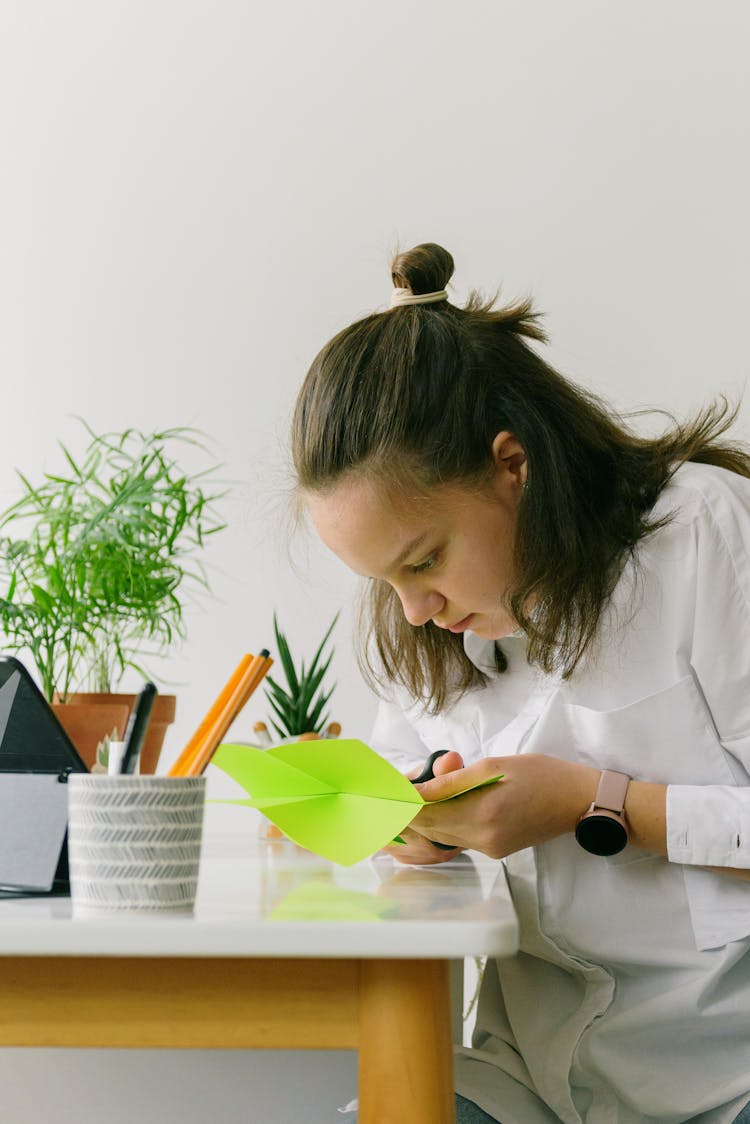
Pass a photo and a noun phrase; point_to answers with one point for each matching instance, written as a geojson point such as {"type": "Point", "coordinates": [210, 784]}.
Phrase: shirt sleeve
{"type": "Point", "coordinates": [709, 825]}
{"type": "Point", "coordinates": [394, 738]}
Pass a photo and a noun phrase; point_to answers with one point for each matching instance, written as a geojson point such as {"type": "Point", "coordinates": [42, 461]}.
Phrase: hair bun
{"type": "Point", "coordinates": [426, 268]}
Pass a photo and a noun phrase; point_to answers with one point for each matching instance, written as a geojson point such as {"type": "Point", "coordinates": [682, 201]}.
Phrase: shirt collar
{"type": "Point", "coordinates": [481, 652]}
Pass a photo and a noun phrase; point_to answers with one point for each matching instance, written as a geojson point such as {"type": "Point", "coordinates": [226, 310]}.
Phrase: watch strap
{"type": "Point", "coordinates": [611, 793]}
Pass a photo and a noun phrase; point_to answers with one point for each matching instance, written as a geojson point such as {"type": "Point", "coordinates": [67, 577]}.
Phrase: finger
{"type": "Point", "coordinates": [435, 834]}
{"type": "Point", "coordinates": [409, 840]}
{"type": "Point", "coordinates": [459, 780]}
{"type": "Point", "coordinates": [413, 841]}
{"type": "Point", "coordinates": [448, 763]}
{"type": "Point", "coordinates": [408, 835]}
{"type": "Point", "coordinates": [441, 761]}
{"type": "Point", "coordinates": [418, 851]}
{"type": "Point", "coordinates": [425, 855]}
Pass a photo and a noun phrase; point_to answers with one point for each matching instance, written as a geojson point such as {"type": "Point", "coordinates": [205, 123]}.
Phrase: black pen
{"type": "Point", "coordinates": [136, 730]}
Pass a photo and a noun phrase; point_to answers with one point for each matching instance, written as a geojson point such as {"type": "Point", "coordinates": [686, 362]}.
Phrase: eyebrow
{"type": "Point", "coordinates": [408, 550]}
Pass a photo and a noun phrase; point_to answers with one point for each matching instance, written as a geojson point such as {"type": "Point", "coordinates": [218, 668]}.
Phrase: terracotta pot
{"type": "Point", "coordinates": [88, 716]}
{"type": "Point", "coordinates": [87, 726]}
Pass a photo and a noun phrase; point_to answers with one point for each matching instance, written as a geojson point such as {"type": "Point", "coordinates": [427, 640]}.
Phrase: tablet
{"type": "Point", "coordinates": [36, 756]}
{"type": "Point", "coordinates": [31, 738]}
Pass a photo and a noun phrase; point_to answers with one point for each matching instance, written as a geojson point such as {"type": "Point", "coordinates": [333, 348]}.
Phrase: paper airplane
{"type": "Point", "coordinates": [335, 797]}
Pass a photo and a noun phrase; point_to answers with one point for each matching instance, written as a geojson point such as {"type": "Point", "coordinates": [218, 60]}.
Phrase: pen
{"type": "Point", "coordinates": [136, 730]}
{"type": "Point", "coordinates": [427, 774]}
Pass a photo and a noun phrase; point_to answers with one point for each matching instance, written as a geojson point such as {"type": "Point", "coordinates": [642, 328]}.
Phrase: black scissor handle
{"type": "Point", "coordinates": [427, 774]}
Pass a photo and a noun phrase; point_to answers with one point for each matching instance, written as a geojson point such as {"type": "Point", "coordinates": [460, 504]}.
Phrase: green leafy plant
{"type": "Point", "coordinates": [299, 708]}
{"type": "Point", "coordinates": [95, 561]}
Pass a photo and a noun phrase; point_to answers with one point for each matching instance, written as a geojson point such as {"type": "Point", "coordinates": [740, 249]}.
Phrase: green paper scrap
{"type": "Point", "coordinates": [335, 797]}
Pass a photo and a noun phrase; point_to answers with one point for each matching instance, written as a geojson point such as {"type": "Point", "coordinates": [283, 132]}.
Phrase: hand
{"type": "Point", "coordinates": [539, 798]}
{"type": "Point", "coordinates": [416, 849]}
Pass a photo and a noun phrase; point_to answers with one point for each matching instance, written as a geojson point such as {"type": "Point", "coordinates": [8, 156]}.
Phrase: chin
{"type": "Point", "coordinates": [495, 631]}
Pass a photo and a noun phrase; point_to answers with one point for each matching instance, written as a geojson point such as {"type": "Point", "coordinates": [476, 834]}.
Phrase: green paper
{"type": "Point", "coordinates": [268, 777]}
{"type": "Point", "coordinates": [348, 765]}
{"type": "Point", "coordinates": [335, 797]}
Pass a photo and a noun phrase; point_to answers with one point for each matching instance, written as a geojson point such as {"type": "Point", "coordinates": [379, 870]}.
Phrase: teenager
{"type": "Point", "coordinates": [555, 598]}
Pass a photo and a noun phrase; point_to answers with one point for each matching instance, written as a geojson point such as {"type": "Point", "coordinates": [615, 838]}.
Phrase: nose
{"type": "Point", "coordinates": [420, 606]}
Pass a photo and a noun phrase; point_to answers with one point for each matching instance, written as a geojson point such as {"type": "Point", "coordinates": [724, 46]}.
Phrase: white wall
{"type": "Point", "coordinates": [195, 196]}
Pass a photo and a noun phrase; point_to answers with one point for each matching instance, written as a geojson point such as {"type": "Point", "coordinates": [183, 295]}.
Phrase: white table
{"type": "Point", "coordinates": [284, 950]}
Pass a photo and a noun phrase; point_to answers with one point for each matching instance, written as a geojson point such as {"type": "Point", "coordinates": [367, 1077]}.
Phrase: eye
{"type": "Point", "coordinates": [428, 564]}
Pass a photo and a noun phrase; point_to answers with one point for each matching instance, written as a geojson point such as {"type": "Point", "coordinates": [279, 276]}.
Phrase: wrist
{"type": "Point", "coordinates": [581, 794]}
{"type": "Point", "coordinates": [646, 809]}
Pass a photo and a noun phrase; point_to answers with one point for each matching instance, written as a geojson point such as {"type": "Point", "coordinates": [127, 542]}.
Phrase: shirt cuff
{"type": "Point", "coordinates": [708, 825]}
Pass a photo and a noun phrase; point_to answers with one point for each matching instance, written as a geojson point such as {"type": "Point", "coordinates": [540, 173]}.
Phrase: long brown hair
{"type": "Point", "coordinates": [417, 394]}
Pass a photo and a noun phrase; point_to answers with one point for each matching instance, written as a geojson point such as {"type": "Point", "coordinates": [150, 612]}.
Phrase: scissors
{"type": "Point", "coordinates": [428, 774]}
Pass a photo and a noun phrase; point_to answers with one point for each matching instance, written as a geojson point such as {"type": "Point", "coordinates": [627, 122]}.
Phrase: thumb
{"type": "Point", "coordinates": [448, 763]}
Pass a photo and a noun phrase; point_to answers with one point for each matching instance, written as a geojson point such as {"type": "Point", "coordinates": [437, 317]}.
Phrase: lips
{"type": "Point", "coordinates": [459, 626]}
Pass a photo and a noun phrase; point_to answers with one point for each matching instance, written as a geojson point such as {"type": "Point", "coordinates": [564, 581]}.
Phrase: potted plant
{"type": "Point", "coordinates": [299, 707]}
{"type": "Point", "coordinates": [95, 564]}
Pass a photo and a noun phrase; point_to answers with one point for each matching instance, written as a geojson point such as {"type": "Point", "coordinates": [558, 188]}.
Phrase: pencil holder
{"type": "Point", "coordinates": [134, 843]}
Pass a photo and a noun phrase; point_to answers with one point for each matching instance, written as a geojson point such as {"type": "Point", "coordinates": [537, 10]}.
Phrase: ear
{"type": "Point", "coordinates": [509, 456]}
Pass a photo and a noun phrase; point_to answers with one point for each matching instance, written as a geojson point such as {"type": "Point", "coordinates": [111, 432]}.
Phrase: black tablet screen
{"type": "Point", "coordinates": [31, 738]}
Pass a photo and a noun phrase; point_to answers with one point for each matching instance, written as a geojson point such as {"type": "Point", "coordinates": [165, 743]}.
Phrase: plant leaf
{"type": "Point", "coordinates": [286, 657]}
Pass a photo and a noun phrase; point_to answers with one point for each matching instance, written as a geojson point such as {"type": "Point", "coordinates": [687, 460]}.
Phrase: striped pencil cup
{"type": "Point", "coordinates": [134, 843]}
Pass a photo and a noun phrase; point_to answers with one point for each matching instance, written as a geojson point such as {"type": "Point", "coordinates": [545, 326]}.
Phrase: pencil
{"type": "Point", "coordinates": [252, 676]}
{"type": "Point", "coordinates": [178, 768]}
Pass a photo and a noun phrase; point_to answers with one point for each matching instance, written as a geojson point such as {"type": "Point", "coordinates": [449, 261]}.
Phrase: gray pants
{"type": "Point", "coordinates": [468, 1113]}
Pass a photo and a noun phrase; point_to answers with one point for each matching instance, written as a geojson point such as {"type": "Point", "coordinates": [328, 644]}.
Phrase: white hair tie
{"type": "Point", "coordinates": [406, 296]}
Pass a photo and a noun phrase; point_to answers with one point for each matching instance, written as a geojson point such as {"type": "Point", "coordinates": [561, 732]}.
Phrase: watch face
{"type": "Point", "coordinates": [601, 835]}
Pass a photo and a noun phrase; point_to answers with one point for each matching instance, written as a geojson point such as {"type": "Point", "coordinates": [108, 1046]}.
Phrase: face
{"type": "Point", "coordinates": [449, 558]}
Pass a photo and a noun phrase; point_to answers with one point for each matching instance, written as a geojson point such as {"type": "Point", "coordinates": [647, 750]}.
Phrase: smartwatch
{"type": "Point", "coordinates": [603, 829]}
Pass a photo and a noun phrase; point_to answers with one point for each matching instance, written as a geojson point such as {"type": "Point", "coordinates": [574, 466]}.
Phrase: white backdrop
{"type": "Point", "coordinates": [194, 196]}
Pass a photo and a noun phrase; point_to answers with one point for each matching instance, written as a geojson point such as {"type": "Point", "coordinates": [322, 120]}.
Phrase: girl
{"type": "Point", "coordinates": [559, 600]}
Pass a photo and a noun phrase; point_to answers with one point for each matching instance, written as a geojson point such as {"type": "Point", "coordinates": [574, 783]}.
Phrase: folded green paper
{"type": "Point", "coordinates": [335, 797]}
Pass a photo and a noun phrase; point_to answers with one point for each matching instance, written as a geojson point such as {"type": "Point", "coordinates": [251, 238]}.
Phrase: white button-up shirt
{"type": "Point", "coordinates": [629, 1001]}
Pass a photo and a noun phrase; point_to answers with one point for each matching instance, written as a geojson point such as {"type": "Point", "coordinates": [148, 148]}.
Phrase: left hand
{"type": "Point", "coordinates": [415, 849]}
{"type": "Point", "coordinates": [539, 798]}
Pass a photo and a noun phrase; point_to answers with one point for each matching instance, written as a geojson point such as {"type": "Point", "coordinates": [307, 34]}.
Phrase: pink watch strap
{"type": "Point", "coordinates": [612, 791]}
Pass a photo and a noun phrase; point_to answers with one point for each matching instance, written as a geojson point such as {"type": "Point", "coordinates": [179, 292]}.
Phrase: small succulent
{"type": "Point", "coordinates": [101, 764]}
{"type": "Point", "coordinates": [299, 708]}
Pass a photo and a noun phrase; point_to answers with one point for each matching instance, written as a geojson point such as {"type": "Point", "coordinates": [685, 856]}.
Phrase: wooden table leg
{"type": "Point", "coordinates": [405, 1049]}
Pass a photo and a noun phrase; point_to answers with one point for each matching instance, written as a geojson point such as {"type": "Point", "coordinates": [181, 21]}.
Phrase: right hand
{"type": "Point", "coordinates": [416, 850]}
